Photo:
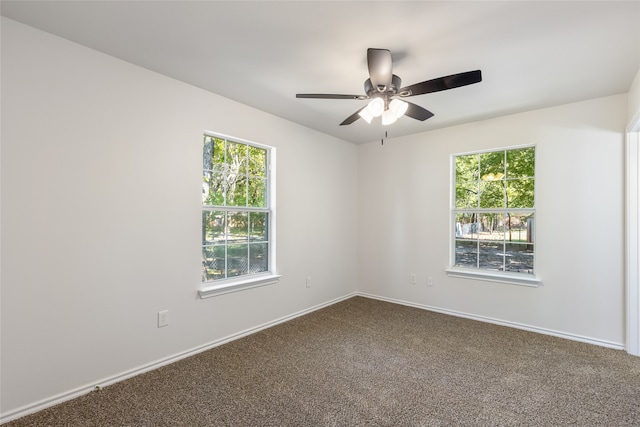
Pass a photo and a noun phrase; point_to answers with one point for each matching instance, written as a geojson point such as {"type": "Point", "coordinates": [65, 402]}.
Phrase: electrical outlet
{"type": "Point", "coordinates": [308, 281]}
{"type": "Point", "coordinates": [163, 318]}
{"type": "Point", "coordinates": [429, 281]}
{"type": "Point", "coordinates": [412, 279]}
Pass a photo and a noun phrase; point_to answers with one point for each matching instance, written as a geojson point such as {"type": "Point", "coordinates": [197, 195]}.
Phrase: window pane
{"type": "Point", "coordinates": [213, 227]}
{"type": "Point", "coordinates": [257, 192]}
{"type": "Point", "coordinates": [492, 166]}
{"type": "Point", "coordinates": [491, 226]}
{"type": "Point", "coordinates": [212, 188]}
{"type": "Point", "coordinates": [466, 195]}
{"type": "Point", "coordinates": [257, 162]}
{"type": "Point", "coordinates": [236, 190]}
{"type": "Point", "coordinates": [492, 194]}
{"type": "Point", "coordinates": [237, 260]}
{"type": "Point", "coordinates": [491, 256]}
{"type": "Point", "coordinates": [467, 168]}
{"type": "Point", "coordinates": [213, 262]}
{"type": "Point", "coordinates": [521, 163]}
{"type": "Point", "coordinates": [258, 257]}
{"type": "Point", "coordinates": [518, 227]}
{"type": "Point", "coordinates": [207, 153]}
{"type": "Point", "coordinates": [519, 257]}
{"type": "Point", "coordinates": [236, 158]}
{"type": "Point", "coordinates": [213, 153]}
{"type": "Point", "coordinates": [238, 227]}
{"type": "Point", "coordinates": [258, 223]}
{"type": "Point", "coordinates": [466, 226]}
{"type": "Point", "coordinates": [520, 193]}
{"type": "Point", "coordinates": [466, 253]}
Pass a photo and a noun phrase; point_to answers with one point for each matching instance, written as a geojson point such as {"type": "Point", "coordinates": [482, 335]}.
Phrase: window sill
{"type": "Point", "coordinates": [511, 279]}
{"type": "Point", "coordinates": [209, 290]}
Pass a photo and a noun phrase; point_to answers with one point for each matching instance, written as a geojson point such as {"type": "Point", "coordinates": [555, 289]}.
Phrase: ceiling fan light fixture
{"type": "Point", "coordinates": [398, 107]}
{"type": "Point", "coordinates": [388, 117]}
{"type": "Point", "coordinates": [376, 106]}
{"type": "Point", "coordinates": [366, 114]}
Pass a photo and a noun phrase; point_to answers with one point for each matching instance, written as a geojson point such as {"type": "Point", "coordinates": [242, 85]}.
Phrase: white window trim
{"type": "Point", "coordinates": [521, 279]}
{"type": "Point", "coordinates": [221, 287]}
{"type": "Point", "coordinates": [490, 276]}
{"type": "Point", "coordinates": [225, 286]}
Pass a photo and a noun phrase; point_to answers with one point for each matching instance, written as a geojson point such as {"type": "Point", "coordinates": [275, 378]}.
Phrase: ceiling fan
{"type": "Point", "coordinates": [384, 90]}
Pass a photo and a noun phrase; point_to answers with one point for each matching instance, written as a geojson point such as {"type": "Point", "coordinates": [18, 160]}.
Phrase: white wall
{"type": "Point", "coordinates": [633, 108]}
{"type": "Point", "coordinates": [101, 218]}
{"type": "Point", "coordinates": [404, 194]}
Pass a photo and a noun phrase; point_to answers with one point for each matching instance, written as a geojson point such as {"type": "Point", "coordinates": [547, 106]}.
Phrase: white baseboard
{"type": "Point", "coordinates": [72, 394]}
{"type": "Point", "coordinates": [544, 331]}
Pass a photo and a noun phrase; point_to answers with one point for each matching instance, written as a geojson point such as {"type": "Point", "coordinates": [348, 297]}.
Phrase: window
{"type": "Point", "coordinates": [493, 212]}
{"type": "Point", "coordinates": [237, 214]}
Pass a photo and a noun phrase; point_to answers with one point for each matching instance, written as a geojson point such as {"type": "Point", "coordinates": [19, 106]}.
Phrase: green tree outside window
{"type": "Point", "coordinates": [235, 216]}
{"type": "Point", "coordinates": [494, 210]}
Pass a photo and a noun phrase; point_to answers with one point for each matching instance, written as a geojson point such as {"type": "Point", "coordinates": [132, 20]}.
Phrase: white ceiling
{"type": "Point", "coordinates": [532, 54]}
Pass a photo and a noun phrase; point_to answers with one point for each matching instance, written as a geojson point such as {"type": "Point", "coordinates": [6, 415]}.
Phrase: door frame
{"type": "Point", "coordinates": [632, 233]}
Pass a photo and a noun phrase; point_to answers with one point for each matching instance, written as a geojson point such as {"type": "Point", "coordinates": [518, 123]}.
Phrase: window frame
{"type": "Point", "coordinates": [477, 273]}
{"type": "Point", "coordinates": [251, 280]}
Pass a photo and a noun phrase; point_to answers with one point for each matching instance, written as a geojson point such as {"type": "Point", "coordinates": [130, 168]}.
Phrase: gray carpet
{"type": "Point", "coordinates": [363, 362]}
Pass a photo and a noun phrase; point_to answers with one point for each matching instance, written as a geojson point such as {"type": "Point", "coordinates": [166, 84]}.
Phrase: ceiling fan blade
{"type": "Point", "coordinates": [380, 65]}
{"type": "Point", "coordinates": [329, 96]}
{"type": "Point", "coordinates": [417, 112]}
{"type": "Point", "coordinates": [352, 118]}
{"type": "Point", "coordinates": [442, 83]}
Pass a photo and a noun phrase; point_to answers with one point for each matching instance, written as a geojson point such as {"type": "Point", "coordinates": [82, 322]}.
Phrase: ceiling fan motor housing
{"type": "Point", "coordinates": [371, 90]}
